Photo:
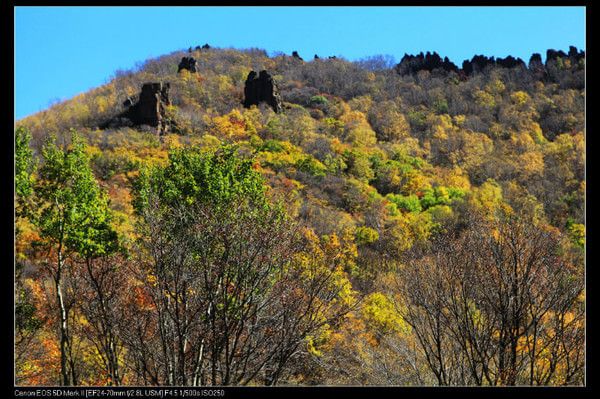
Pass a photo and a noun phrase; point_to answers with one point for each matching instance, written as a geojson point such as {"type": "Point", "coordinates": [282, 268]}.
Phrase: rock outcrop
{"type": "Point", "coordinates": [261, 88]}
{"type": "Point", "coordinates": [296, 55]}
{"type": "Point", "coordinates": [411, 64]}
{"type": "Point", "coordinates": [129, 101]}
{"type": "Point", "coordinates": [149, 109]}
{"type": "Point", "coordinates": [200, 48]}
{"type": "Point", "coordinates": [536, 66]}
{"type": "Point", "coordinates": [477, 64]}
{"type": "Point", "coordinates": [188, 63]}
{"type": "Point", "coordinates": [535, 61]}
{"type": "Point", "coordinates": [510, 62]}
{"type": "Point", "coordinates": [574, 56]}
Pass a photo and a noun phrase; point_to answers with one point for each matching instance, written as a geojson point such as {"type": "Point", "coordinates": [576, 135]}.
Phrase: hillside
{"type": "Point", "coordinates": [441, 207]}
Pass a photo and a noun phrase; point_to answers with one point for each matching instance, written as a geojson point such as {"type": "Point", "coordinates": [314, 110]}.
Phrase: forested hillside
{"type": "Point", "coordinates": [366, 223]}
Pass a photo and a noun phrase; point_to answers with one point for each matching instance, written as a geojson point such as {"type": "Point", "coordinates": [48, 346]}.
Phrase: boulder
{"type": "Point", "coordinates": [261, 88]}
{"type": "Point", "coordinates": [188, 63]}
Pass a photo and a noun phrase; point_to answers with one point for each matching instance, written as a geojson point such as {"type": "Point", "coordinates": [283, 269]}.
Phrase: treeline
{"type": "Point", "coordinates": [417, 229]}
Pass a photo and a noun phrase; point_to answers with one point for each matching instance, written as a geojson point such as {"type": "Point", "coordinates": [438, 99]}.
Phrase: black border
{"type": "Point", "coordinates": [7, 221]}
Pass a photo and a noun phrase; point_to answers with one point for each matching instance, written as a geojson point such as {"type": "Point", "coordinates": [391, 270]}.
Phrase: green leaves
{"type": "Point", "coordinates": [24, 163]}
{"type": "Point", "coordinates": [194, 175]}
{"type": "Point", "coordinates": [74, 211]}
{"type": "Point", "coordinates": [408, 203]}
{"type": "Point", "coordinates": [440, 196]}
{"type": "Point", "coordinates": [318, 100]}
{"type": "Point", "coordinates": [24, 169]}
{"type": "Point", "coordinates": [576, 233]}
{"type": "Point", "coordinates": [364, 235]}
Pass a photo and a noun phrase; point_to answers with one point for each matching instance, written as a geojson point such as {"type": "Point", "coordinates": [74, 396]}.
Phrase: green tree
{"type": "Point", "coordinates": [24, 169]}
{"type": "Point", "coordinates": [359, 165]}
{"type": "Point", "coordinates": [74, 219]}
{"type": "Point", "coordinates": [222, 265]}
{"type": "Point", "coordinates": [27, 324]}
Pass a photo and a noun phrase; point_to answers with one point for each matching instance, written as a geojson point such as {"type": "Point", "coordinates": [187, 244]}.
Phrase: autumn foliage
{"type": "Point", "coordinates": [425, 229]}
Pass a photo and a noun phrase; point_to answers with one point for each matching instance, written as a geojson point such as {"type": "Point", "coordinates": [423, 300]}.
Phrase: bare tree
{"type": "Point", "coordinates": [101, 285]}
{"type": "Point", "coordinates": [497, 304]}
{"type": "Point", "coordinates": [230, 302]}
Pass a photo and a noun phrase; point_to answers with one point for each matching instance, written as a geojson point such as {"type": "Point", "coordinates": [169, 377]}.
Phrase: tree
{"type": "Point", "coordinates": [427, 177]}
{"type": "Point", "coordinates": [74, 219]}
{"type": "Point", "coordinates": [229, 302]}
{"type": "Point", "coordinates": [389, 123]}
{"type": "Point", "coordinates": [498, 303]}
{"type": "Point", "coordinates": [24, 169]}
{"type": "Point", "coordinates": [26, 322]}
{"type": "Point", "coordinates": [102, 284]}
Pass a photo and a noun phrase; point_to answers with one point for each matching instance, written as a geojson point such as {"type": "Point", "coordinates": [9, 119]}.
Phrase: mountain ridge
{"type": "Point", "coordinates": [433, 194]}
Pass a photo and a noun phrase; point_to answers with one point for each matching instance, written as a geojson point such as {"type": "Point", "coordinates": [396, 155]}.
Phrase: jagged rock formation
{"type": "Point", "coordinates": [149, 109]}
{"type": "Point", "coordinates": [553, 54]}
{"type": "Point", "coordinates": [536, 66]}
{"type": "Point", "coordinates": [261, 88]}
{"type": "Point", "coordinates": [411, 64]}
{"type": "Point", "coordinates": [188, 63]}
{"type": "Point", "coordinates": [535, 61]}
{"type": "Point", "coordinates": [574, 56]}
{"type": "Point", "coordinates": [479, 62]}
{"type": "Point", "coordinates": [296, 55]}
{"type": "Point", "coordinates": [558, 61]}
{"type": "Point", "coordinates": [510, 62]}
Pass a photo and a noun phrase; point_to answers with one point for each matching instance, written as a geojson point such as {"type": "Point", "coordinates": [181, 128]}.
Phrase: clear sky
{"type": "Point", "coordinates": [63, 51]}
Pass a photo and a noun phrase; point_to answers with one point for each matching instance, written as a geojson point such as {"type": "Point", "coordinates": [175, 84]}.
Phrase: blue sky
{"type": "Point", "coordinates": [63, 51]}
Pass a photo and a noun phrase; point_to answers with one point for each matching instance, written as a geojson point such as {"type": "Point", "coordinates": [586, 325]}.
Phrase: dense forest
{"type": "Point", "coordinates": [410, 224]}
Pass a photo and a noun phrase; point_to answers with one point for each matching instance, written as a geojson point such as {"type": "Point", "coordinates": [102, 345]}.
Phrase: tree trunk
{"type": "Point", "coordinates": [64, 332]}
